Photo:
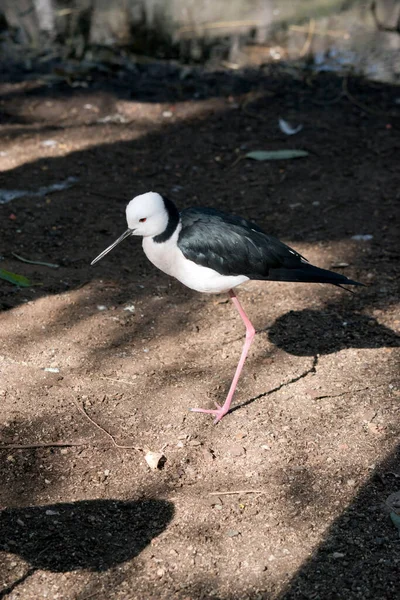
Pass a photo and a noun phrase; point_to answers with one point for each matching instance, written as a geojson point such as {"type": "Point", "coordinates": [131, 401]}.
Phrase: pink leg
{"type": "Point", "coordinates": [250, 333]}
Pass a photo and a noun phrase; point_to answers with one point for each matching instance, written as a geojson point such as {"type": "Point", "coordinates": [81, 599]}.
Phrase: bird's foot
{"type": "Point", "coordinates": [219, 412]}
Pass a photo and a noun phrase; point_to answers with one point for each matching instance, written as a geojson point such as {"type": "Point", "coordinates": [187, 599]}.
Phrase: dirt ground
{"type": "Point", "coordinates": [285, 498]}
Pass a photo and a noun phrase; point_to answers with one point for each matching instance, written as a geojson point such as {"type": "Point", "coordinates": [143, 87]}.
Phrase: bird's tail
{"type": "Point", "coordinates": [309, 274]}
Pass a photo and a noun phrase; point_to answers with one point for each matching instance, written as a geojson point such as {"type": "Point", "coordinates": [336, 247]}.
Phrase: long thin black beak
{"type": "Point", "coordinates": [123, 237]}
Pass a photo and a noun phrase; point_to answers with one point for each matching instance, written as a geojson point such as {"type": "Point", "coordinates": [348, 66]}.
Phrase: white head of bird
{"type": "Point", "coordinates": [146, 216]}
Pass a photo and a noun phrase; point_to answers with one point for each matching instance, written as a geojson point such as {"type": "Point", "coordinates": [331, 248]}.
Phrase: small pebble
{"type": "Point", "coordinates": [235, 450]}
{"type": "Point", "coordinates": [232, 533]}
{"type": "Point", "coordinates": [130, 308]}
{"type": "Point", "coordinates": [49, 143]}
{"type": "Point", "coordinates": [194, 443]}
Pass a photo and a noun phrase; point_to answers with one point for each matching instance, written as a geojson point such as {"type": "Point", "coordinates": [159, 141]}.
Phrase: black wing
{"type": "Point", "coordinates": [231, 245]}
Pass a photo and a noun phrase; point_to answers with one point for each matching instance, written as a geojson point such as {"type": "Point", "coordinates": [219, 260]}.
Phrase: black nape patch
{"type": "Point", "coordinates": [173, 220]}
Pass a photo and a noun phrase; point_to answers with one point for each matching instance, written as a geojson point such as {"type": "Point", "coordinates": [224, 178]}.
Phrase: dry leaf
{"type": "Point", "coordinates": [287, 128]}
{"type": "Point", "coordinates": [276, 154]}
{"type": "Point", "coordinates": [155, 460]}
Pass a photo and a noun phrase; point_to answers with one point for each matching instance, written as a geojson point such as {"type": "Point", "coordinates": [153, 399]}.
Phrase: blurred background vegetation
{"type": "Point", "coordinates": [326, 34]}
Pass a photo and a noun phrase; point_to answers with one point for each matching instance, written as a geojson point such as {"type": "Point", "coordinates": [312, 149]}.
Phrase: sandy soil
{"type": "Point", "coordinates": [285, 498]}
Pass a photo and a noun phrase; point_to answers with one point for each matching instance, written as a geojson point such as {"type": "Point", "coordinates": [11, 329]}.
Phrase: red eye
{"type": "Point", "coordinates": [142, 220]}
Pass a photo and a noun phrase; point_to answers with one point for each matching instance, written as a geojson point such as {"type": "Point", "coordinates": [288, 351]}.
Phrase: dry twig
{"type": "Point", "coordinates": [235, 162]}
{"type": "Point", "coordinates": [124, 447]}
{"type": "Point", "coordinates": [71, 444]}
{"type": "Point", "coordinates": [231, 493]}
{"type": "Point", "coordinates": [41, 445]}
{"type": "Point", "coordinates": [310, 35]}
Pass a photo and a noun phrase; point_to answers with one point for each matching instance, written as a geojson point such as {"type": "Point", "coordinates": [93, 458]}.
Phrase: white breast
{"type": "Point", "coordinates": [168, 258]}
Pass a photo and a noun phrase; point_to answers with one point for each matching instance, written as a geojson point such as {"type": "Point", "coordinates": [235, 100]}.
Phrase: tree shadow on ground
{"type": "Point", "coordinates": [359, 555]}
{"type": "Point", "coordinates": [90, 534]}
{"type": "Point", "coordinates": [310, 332]}
{"type": "Point", "coordinates": [154, 82]}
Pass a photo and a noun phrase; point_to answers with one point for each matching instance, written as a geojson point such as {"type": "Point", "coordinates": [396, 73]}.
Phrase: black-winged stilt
{"type": "Point", "coordinates": [212, 252]}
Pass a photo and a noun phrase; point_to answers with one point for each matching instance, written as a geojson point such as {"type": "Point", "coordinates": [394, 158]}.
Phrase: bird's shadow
{"type": "Point", "coordinates": [311, 332]}
{"type": "Point", "coordinates": [91, 534]}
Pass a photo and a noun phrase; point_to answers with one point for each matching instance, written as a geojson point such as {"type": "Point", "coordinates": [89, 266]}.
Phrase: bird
{"type": "Point", "coordinates": [212, 252]}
